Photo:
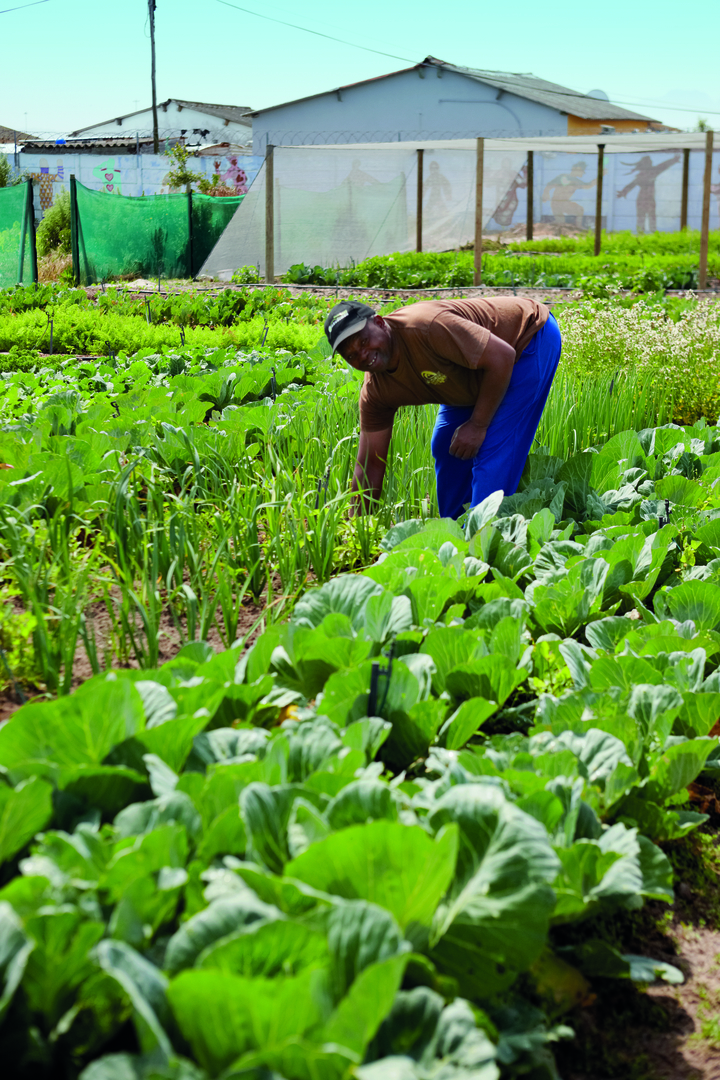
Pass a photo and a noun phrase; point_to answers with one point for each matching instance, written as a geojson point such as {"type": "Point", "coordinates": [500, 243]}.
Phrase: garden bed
{"type": "Point", "coordinates": [409, 823]}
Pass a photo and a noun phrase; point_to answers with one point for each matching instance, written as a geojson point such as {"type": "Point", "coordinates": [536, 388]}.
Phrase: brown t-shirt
{"type": "Point", "coordinates": [438, 345]}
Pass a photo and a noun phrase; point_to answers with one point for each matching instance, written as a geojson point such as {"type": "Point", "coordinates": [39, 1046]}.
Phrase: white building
{"type": "Point", "coordinates": [436, 100]}
{"type": "Point", "coordinates": [195, 121]}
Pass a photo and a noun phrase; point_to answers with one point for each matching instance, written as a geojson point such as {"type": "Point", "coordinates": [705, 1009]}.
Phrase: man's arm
{"type": "Point", "coordinates": [497, 362]}
{"type": "Point", "coordinates": [370, 467]}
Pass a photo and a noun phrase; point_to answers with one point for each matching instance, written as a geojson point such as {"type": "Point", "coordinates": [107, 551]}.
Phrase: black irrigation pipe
{"type": "Point", "coordinates": [18, 692]}
{"type": "Point", "coordinates": [377, 673]}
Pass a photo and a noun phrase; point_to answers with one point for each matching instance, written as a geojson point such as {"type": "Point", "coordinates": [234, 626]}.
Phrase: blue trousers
{"type": "Point", "coordinates": [501, 458]}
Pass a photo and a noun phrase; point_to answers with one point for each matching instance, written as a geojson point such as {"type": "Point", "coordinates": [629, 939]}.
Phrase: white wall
{"type": "Point", "coordinates": [126, 174]}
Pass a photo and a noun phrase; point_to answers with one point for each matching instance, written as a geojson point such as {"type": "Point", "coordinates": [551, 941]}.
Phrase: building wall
{"type": "Point", "coordinates": [171, 122]}
{"type": "Point", "coordinates": [432, 104]}
{"type": "Point", "coordinates": [126, 174]}
{"type": "Point", "coordinates": [577, 126]}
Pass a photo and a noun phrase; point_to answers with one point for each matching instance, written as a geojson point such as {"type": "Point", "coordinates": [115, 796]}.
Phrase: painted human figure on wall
{"type": "Point", "coordinates": [45, 179]}
{"type": "Point", "coordinates": [644, 180]}
{"type": "Point", "coordinates": [437, 193]}
{"type": "Point", "coordinates": [234, 176]}
{"type": "Point", "coordinates": [109, 176]}
{"type": "Point", "coordinates": [357, 177]}
{"type": "Point", "coordinates": [559, 192]}
{"type": "Point", "coordinates": [505, 210]}
{"type": "Point", "coordinates": [500, 178]}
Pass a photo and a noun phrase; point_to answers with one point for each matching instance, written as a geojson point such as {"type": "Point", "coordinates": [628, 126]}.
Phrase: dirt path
{"type": "Point", "coordinates": [144, 288]}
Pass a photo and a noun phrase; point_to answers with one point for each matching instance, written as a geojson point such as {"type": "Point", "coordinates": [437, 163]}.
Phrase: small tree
{"type": "Point", "coordinates": [179, 175]}
{"type": "Point", "coordinates": [4, 171]}
{"type": "Point", "coordinates": [703, 124]}
{"type": "Point", "coordinates": [53, 232]}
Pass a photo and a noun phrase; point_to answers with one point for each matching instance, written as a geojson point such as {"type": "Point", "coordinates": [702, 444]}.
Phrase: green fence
{"type": "Point", "coordinates": [18, 257]}
{"type": "Point", "coordinates": [122, 236]}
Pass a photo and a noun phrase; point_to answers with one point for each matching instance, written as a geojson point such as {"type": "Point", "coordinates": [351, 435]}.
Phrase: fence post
{"type": "Point", "coordinates": [74, 246]}
{"type": "Point", "coordinates": [598, 199]}
{"type": "Point", "coordinates": [419, 222]}
{"type": "Point", "coordinates": [191, 259]}
{"type": "Point", "coordinates": [23, 234]}
{"type": "Point", "coordinates": [685, 189]}
{"type": "Point", "coordinates": [529, 222]}
{"type": "Point", "coordinates": [31, 227]}
{"type": "Point", "coordinates": [269, 215]}
{"type": "Point", "coordinates": [705, 226]}
{"type": "Point", "coordinates": [477, 277]}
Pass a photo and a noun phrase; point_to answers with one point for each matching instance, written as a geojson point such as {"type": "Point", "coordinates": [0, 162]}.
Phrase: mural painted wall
{"type": "Point", "coordinates": [641, 192]}
{"type": "Point", "coordinates": [131, 174]}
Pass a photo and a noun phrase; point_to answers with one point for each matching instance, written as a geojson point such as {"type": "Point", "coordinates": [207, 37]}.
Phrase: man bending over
{"type": "Point", "coordinates": [488, 364]}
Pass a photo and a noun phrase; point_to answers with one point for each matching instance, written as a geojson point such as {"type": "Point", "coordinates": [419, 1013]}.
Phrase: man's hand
{"type": "Point", "coordinates": [370, 469]}
{"type": "Point", "coordinates": [497, 362]}
{"type": "Point", "coordinates": [467, 440]}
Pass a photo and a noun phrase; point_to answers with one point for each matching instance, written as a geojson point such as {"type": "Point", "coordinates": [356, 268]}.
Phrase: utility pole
{"type": "Point", "coordinates": [151, 13]}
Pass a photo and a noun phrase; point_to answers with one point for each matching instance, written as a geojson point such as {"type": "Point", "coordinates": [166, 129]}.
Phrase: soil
{"type": "Point", "coordinates": [99, 622]}
{"type": "Point", "coordinates": [142, 288]}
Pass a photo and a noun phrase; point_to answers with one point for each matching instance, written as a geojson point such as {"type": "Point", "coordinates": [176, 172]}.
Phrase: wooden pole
{"type": "Point", "coordinates": [685, 189]}
{"type": "Point", "coordinates": [191, 260]}
{"type": "Point", "coordinates": [31, 230]}
{"type": "Point", "coordinates": [477, 279]}
{"type": "Point", "coordinates": [269, 215]}
{"type": "Point", "coordinates": [598, 199]}
{"type": "Point", "coordinates": [419, 220]}
{"type": "Point", "coordinates": [529, 221]}
{"type": "Point", "coordinates": [74, 246]}
{"type": "Point", "coordinates": [151, 15]}
{"type": "Point", "coordinates": [23, 237]}
{"type": "Point", "coordinates": [277, 223]}
{"type": "Point", "coordinates": [705, 225]}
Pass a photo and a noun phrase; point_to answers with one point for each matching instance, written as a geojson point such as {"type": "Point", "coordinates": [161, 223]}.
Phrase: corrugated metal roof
{"type": "Point", "coordinates": [543, 92]}
{"type": "Point", "coordinates": [239, 114]}
{"type": "Point", "coordinates": [72, 146]}
{"type": "Point", "coordinates": [236, 114]}
{"type": "Point", "coordinates": [8, 135]}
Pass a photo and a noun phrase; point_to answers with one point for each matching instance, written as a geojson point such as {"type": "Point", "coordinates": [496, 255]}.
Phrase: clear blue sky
{"type": "Point", "coordinates": [71, 63]}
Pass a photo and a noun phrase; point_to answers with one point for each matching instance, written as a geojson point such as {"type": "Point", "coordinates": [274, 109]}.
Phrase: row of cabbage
{"type": "Point", "coordinates": [359, 848]}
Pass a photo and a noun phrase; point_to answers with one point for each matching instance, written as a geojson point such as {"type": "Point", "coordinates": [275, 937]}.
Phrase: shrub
{"type": "Point", "coordinates": [57, 266]}
{"type": "Point", "coordinates": [246, 275]}
{"type": "Point", "coordinates": [54, 230]}
{"type": "Point", "coordinates": [215, 186]}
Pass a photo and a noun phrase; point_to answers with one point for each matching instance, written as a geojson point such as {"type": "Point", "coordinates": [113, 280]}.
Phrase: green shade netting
{"type": "Point", "coordinates": [13, 202]}
{"type": "Point", "coordinates": [146, 236]}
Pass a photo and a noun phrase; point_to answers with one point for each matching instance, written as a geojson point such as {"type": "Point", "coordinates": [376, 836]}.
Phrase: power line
{"type": "Point", "coordinates": [497, 76]}
{"type": "Point", "coordinates": [406, 59]}
{"type": "Point", "coordinates": [665, 105]}
{"type": "Point", "coordinates": [317, 33]}
{"type": "Point", "coordinates": [20, 8]}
